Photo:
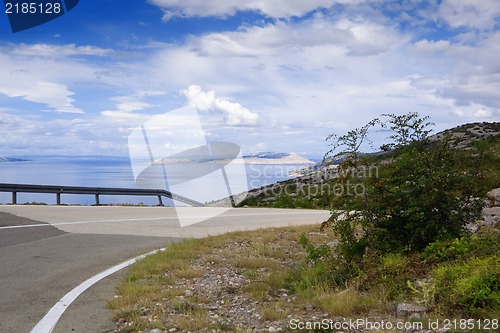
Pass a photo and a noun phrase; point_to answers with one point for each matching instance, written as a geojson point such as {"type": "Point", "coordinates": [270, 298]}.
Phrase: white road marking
{"type": "Point", "coordinates": [134, 220]}
{"type": "Point", "coordinates": [49, 321]}
{"type": "Point", "coordinates": [85, 222]}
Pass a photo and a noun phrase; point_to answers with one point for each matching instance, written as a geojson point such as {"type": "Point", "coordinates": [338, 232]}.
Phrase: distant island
{"type": "Point", "coordinates": [276, 158]}
{"type": "Point", "coordinates": [266, 158]}
{"type": "Point", "coordinates": [12, 159]}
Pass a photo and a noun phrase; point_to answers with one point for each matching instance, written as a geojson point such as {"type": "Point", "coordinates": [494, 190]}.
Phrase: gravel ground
{"type": "Point", "coordinates": [221, 293]}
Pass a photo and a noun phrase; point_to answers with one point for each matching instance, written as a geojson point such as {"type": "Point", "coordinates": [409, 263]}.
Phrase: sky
{"type": "Point", "coordinates": [268, 75]}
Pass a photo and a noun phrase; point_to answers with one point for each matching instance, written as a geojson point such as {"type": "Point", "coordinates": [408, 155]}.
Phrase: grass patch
{"type": "Point", "coordinates": [472, 288]}
{"type": "Point", "coordinates": [345, 303]}
{"type": "Point", "coordinates": [275, 311]}
{"type": "Point", "coordinates": [268, 274]}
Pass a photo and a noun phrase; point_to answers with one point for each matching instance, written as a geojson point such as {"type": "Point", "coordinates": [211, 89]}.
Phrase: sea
{"type": "Point", "coordinates": [103, 171]}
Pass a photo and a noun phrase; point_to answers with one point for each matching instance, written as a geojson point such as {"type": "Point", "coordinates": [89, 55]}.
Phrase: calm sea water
{"type": "Point", "coordinates": [101, 172]}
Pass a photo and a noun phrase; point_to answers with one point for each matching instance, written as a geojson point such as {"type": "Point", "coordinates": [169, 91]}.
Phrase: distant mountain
{"type": "Point", "coordinates": [276, 158]}
{"type": "Point", "coordinates": [12, 159]}
{"type": "Point", "coordinates": [268, 155]}
{"type": "Point", "coordinates": [259, 158]}
{"type": "Point", "coordinates": [72, 158]}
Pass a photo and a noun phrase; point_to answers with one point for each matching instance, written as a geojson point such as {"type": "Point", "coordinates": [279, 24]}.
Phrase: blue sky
{"type": "Point", "coordinates": [275, 75]}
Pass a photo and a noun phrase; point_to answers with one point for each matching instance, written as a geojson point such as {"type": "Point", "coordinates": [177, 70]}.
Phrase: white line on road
{"type": "Point", "coordinates": [138, 219]}
{"type": "Point", "coordinates": [85, 222]}
{"type": "Point", "coordinates": [49, 321]}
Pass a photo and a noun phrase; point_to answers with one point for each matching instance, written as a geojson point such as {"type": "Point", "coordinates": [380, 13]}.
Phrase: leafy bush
{"type": "Point", "coordinates": [473, 287]}
{"type": "Point", "coordinates": [423, 192]}
{"type": "Point", "coordinates": [442, 251]}
{"type": "Point", "coordinates": [314, 253]}
{"type": "Point", "coordinates": [465, 248]}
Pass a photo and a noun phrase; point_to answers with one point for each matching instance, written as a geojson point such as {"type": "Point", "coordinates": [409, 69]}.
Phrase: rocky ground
{"type": "Point", "coordinates": [230, 310]}
{"type": "Point", "coordinates": [220, 294]}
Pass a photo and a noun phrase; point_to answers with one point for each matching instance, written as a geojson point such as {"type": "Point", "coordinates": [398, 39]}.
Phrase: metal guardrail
{"type": "Point", "coordinates": [97, 191]}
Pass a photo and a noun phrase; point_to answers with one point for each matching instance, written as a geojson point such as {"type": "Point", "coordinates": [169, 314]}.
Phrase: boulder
{"type": "Point", "coordinates": [408, 309]}
{"type": "Point", "coordinates": [491, 217]}
{"type": "Point", "coordinates": [493, 198]}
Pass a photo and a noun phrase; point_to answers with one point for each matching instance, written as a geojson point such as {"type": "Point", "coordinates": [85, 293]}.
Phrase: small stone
{"type": "Point", "coordinates": [405, 309]}
{"type": "Point", "coordinates": [188, 293]}
{"type": "Point", "coordinates": [156, 330]}
{"type": "Point", "coordinates": [172, 330]}
{"type": "Point", "coordinates": [309, 307]}
{"type": "Point", "coordinates": [415, 315]}
{"type": "Point", "coordinates": [494, 197]}
{"type": "Point", "coordinates": [333, 244]}
{"type": "Point", "coordinates": [272, 329]}
{"type": "Point", "coordinates": [121, 321]}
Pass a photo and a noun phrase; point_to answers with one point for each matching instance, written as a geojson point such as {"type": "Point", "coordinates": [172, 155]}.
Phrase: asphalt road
{"type": "Point", "coordinates": [46, 251]}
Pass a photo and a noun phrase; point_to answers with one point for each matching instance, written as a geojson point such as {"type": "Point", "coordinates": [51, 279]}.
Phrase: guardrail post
{"type": "Point", "coordinates": [58, 190]}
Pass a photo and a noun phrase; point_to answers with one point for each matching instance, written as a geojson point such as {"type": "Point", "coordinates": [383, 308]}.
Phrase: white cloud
{"type": "Point", "coordinates": [127, 105]}
{"type": "Point", "coordinates": [425, 45]}
{"type": "Point", "coordinates": [224, 8]}
{"type": "Point", "coordinates": [7, 121]}
{"type": "Point", "coordinates": [474, 75]}
{"type": "Point", "coordinates": [354, 37]}
{"type": "Point", "coordinates": [483, 113]}
{"type": "Point", "coordinates": [122, 115]}
{"type": "Point", "coordinates": [54, 95]}
{"type": "Point", "coordinates": [234, 113]}
{"type": "Point", "coordinates": [59, 51]}
{"type": "Point", "coordinates": [44, 78]}
{"type": "Point", "coordinates": [483, 14]}
{"type": "Point", "coordinates": [324, 72]}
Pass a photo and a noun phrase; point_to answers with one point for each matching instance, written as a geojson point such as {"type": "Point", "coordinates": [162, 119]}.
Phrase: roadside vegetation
{"type": "Point", "coordinates": [409, 237]}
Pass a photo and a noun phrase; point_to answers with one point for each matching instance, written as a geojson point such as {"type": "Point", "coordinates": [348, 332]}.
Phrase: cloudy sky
{"type": "Point", "coordinates": [269, 75]}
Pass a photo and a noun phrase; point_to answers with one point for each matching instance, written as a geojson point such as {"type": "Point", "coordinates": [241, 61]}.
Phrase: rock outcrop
{"type": "Point", "coordinates": [491, 213]}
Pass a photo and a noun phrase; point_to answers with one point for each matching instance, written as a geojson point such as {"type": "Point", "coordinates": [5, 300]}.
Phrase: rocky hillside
{"type": "Point", "coordinates": [462, 137]}
{"type": "Point", "coordinates": [312, 184]}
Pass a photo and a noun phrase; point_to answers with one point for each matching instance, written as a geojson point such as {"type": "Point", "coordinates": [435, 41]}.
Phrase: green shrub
{"type": "Point", "coordinates": [474, 246]}
{"type": "Point", "coordinates": [442, 251]}
{"type": "Point", "coordinates": [471, 288]}
{"type": "Point", "coordinates": [423, 192]}
{"type": "Point", "coordinates": [314, 253]}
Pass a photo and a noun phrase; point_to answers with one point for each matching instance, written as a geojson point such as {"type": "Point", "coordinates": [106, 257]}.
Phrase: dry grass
{"type": "Point", "coordinates": [276, 311]}
{"type": "Point", "coordinates": [346, 303]}
{"type": "Point", "coordinates": [267, 259]}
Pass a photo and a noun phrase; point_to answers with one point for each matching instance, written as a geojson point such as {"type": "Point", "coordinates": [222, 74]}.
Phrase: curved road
{"type": "Point", "coordinates": [46, 251]}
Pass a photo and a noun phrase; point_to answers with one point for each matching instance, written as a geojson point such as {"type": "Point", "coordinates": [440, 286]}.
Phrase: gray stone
{"type": "Point", "coordinates": [491, 216]}
{"type": "Point", "coordinates": [156, 330]}
{"type": "Point", "coordinates": [493, 198]}
{"type": "Point", "coordinates": [407, 309]}
{"type": "Point", "coordinates": [415, 315]}
{"type": "Point", "coordinates": [333, 244]}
